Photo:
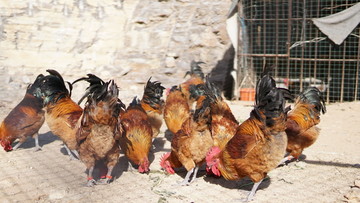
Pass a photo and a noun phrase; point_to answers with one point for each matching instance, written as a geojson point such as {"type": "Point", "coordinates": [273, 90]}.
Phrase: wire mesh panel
{"type": "Point", "coordinates": [282, 33]}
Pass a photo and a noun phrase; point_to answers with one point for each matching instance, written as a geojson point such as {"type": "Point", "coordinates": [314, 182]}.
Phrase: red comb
{"type": "Point", "coordinates": [212, 152]}
{"type": "Point", "coordinates": [163, 159]}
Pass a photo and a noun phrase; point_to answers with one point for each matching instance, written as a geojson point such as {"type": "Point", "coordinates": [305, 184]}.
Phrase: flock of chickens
{"type": "Point", "coordinates": [203, 126]}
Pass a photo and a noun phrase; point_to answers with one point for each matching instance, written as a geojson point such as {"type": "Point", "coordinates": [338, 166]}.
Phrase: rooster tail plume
{"type": "Point", "coordinates": [195, 69]}
{"type": "Point", "coordinates": [55, 73]}
{"type": "Point", "coordinates": [108, 92]}
{"type": "Point", "coordinates": [269, 98]}
{"type": "Point", "coordinates": [35, 88]}
{"type": "Point", "coordinates": [153, 89]}
{"type": "Point", "coordinates": [92, 79]}
{"type": "Point", "coordinates": [53, 87]}
{"type": "Point", "coordinates": [264, 85]}
{"type": "Point", "coordinates": [135, 102]}
{"type": "Point", "coordinates": [313, 96]}
{"type": "Point", "coordinates": [212, 90]}
{"type": "Point", "coordinates": [95, 84]}
{"type": "Point", "coordinates": [153, 92]}
{"type": "Point", "coordinates": [267, 69]}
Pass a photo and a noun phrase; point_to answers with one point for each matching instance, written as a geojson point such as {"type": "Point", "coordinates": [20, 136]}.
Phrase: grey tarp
{"type": "Point", "coordinates": [339, 25]}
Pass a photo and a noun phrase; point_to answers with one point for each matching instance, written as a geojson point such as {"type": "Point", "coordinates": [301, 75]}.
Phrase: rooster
{"type": "Point", "coordinates": [191, 143]}
{"type": "Point", "coordinates": [176, 109]}
{"type": "Point", "coordinates": [137, 136]}
{"type": "Point", "coordinates": [301, 124]}
{"type": "Point", "coordinates": [62, 113]}
{"type": "Point", "coordinates": [153, 105]}
{"type": "Point", "coordinates": [99, 130]}
{"type": "Point", "coordinates": [259, 142]}
{"type": "Point", "coordinates": [25, 119]}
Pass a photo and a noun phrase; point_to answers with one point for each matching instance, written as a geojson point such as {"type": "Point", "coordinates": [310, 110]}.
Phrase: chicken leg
{"type": "Point", "coordinates": [17, 145]}
{"type": "Point", "coordinates": [76, 153]}
{"type": "Point", "coordinates": [187, 177]}
{"type": "Point", "coordinates": [107, 178]}
{"type": "Point", "coordinates": [37, 146]}
{"type": "Point", "coordinates": [285, 160]}
{"type": "Point", "coordinates": [91, 182]}
{"type": "Point", "coordinates": [195, 173]}
{"type": "Point", "coordinates": [72, 157]}
{"type": "Point", "coordinates": [252, 192]}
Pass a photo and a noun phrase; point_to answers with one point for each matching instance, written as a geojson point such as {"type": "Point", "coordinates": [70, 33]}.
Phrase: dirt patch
{"type": "Point", "coordinates": [328, 172]}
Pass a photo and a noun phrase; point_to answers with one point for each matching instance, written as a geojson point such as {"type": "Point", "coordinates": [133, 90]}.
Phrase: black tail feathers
{"type": "Point", "coordinates": [269, 98]}
{"type": "Point", "coordinates": [135, 102]}
{"type": "Point", "coordinates": [153, 92]}
{"type": "Point", "coordinates": [313, 95]}
{"type": "Point", "coordinates": [53, 87]}
{"type": "Point", "coordinates": [195, 69]}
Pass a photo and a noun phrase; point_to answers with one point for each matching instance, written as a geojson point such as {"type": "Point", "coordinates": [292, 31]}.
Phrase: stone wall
{"type": "Point", "coordinates": [126, 39]}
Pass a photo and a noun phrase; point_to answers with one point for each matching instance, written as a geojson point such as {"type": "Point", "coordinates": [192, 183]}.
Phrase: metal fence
{"type": "Point", "coordinates": [282, 33]}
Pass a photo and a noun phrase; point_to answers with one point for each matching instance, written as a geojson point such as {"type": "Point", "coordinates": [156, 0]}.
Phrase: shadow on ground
{"type": "Point", "coordinates": [44, 139]}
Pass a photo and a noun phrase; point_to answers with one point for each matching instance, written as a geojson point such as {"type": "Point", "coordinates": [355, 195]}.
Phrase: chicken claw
{"type": "Point", "coordinates": [251, 194]}
{"type": "Point", "coordinates": [104, 181]}
{"type": "Point", "coordinates": [186, 180]}
{"type": "Point", "coordinates": [90, 183]}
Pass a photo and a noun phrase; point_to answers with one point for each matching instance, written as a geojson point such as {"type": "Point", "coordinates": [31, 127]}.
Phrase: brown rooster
{"type": "Point", "coordinates": [176, 110]}
{"type": "Point", "coordinates": [137, 136]}
{"type": "Point", "coordinates": [301, 124]}
{"type": "Point", "coordinates": [191, 143]}
{"type": "Point", "coordinates": [153, 105]}
{"type": "Point", "coordinates": [99, 130]}
{"type": "Point", "coordinates": [62, 113]}
{"type": "Point", "coordinates": [25, 119]}
{"type": "Point", "coordinates": [259, 143]}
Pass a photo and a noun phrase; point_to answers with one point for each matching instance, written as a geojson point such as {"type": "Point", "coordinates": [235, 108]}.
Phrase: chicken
{"type": "Point", "coordinates": [100, 130]}
{"type": "Point", "coordinates": [153, 105]}
{"type": "Point", "coordinates": [259, 142]}
{"type": "Point", "coordinates": [191, 143]}
{"type": "Point", "coordinates": [62, 113]}
{"type": "Point", "coordinates": [137, 136]}
{"type": "Point", "coordinates": [301, 124]}
{"type": "Point", "coordinates": [176, 110]}
{"type": "Point", "coordinates": [223, 122]}
{"type": "Point", "coordinates": [196, 78]}
{"type": "Point", "coordinates": [25, 119]}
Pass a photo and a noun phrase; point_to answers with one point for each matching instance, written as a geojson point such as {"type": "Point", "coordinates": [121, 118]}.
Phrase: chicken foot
{"type": "Point", "coordinates": [107, 178]}
{"type": "Point", "coordinates": [195, 173]}
{"type": "Point", "coordinates": [252, 192]}
{"type": "Point", "coordinates": [285, 160]}
{"type": "Point", "coordinates": [72, 157]}
{"type": "Point", "coordinates": [187, 177]}
{"type": "Point", "coordinates": [91, 182]}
